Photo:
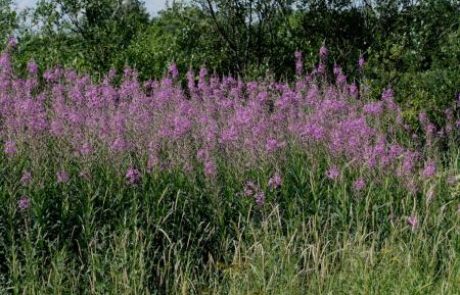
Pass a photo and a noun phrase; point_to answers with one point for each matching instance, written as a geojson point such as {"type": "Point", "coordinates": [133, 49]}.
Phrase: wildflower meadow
{"type": "Point", "coordinates": [213, 184]}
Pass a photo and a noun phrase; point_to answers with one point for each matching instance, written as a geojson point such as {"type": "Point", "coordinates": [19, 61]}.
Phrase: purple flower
{"type": "Point", "coordinates": [250, 189]}
{"type": "Point", "coordinates": [62, 176]}
{"type": "Point", "coordinates": [10, 147]}
{"type": "Point", "coordinates": [337, 70]}
{"type": "Point", "coordinates": [413, 222]}
{"type": "Point", "coordinates": [359, 184]}
{"type": "Point", "coordinates": [353, 90]}
{"type": "Point", "coordinates": [86, 149]}
{"type": "Point", "coordinates": [260, 198]}
{"type": "Point", "coordinates": [341, 79]}
{"type": "Point", "coordinates": [210, 169]}
{"type": "Point", "coordinates": [313, 130]}
{"type": "Point", "coordinates": [133, 176]}
{"type": "Point", "coordinates": [388, 94]}
{"type": "Point", "coordinates": [423, 118]}
{"type": "Point", "coordinates": [203, 73]}
{"type": "Point", "coordinates": [24, 203]}
{"type": "Point", "coordinates": [373, 108]}
{"type": "Point", "coordinates": [323, 52]}
{"type": "Point", "coordinates": [361, 62]}
{"type": "Point", "coordinates": [173, 71]}
{"type": "Point", "coordinates": [275, 181]}
{"type": "Point", "coordinates": [429, 170]}
{"type": "Point", "coordinates": [119, 144]}
{"type": "Point", "coordinates": [333, 173]}
{"type": "Point", "coordinates": [12, 42]}
{"type": "Point", "coordinates": [26, 178]}
{"type": "Point", "coordinates": [152, 162]}
{"type": "Point", "coordinates": [57, 128]}
{"type": "Point", "coordinates": [32, 67]}
{"type": "Point", "coordinates": [321, 68]}
{"type": "Point", "coordinates": [298, 54]}
{"type": "Point", "coordinates": [272, 145]}
{"type": "Point", "coordinates": [408, 163]}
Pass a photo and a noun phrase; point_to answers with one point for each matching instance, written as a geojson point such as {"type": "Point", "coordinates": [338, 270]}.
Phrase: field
{"type": "Point", "coordinates": [222, 186]}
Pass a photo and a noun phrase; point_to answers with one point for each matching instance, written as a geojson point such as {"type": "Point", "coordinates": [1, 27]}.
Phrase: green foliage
{"type": "Point", "coordinates": [86, 35]}
{"type": "Point", "coordinates": [182, 35]}
{"type": "Point", "coordinates": [8, 20]}
{"type": "Point", "coordinates": [418, 55]}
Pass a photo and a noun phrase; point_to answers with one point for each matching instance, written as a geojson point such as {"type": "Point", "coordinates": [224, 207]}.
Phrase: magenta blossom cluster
{"type": "Point", "coordinates": [210, 121]}
{"type": "Point", "coordinates": [275, 181]}
{"type": "Point", "coordinates": [23, 203]}
{"type": "Point", "coordinates": [133, 176]}
{"type": "Point", "coordinates": [253, 191]}
{"type": "Point", "coordinates": [62, 176]}
{"type": "Point", "coordinates": [359, 184]}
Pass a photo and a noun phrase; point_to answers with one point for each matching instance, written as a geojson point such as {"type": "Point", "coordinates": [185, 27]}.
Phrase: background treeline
{"type": "Point", "coordinates": [412, 46]}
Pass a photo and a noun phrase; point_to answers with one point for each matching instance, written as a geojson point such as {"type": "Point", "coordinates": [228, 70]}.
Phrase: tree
{"type": "Point", "coordinates": [182, 34]}
{"type": "Point", "coordinates": [100, 28]}
{"type": "Point", "coordinates": [249, 29]}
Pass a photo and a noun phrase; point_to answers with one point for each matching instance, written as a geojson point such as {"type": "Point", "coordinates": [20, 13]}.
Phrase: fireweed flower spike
{"type": "Point", "coordinates": [85, 149]}
{"type": "Point", "coordinates": [173, 71]}
{"type": "Point", "coordinates": [359, 184]}
{"type": "Point", "coordinates": [12, 42]}
{"type": "Point", "coordinates": [429, 170]}
{"type": "Point", "coordinates": [250, 189]}
{"type": "Point", "coordinates": [24, 203]}
{"type": "Point", "coordinates": [32, 67]}
{"type": "Point", "coordinates": [272, 145]}
{"type": "Point", "coordinates": [62, 176]}
{"type": "Point", "coordinates": [323, 52]}
{"type": "Point", "coordinates": [361, 62]}
{"type": "Point", "coordinates": [321, 68]}
{"type": "Point", "coordinates": [260, 198]}
{"type": "Point", "coordinates": [10, 147]}
{"type": "Point", "coordinates": [133, 176]}
{"type": "Point", "coordinates": [275, 181]}
{"type": "Point", "coordinates": [210, 169]}
{"type": "Point", "coordinates": [333, 173]}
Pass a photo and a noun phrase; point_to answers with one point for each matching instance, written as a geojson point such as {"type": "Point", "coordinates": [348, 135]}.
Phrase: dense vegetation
{"type": "Point", "coordinates": [214, 149]}
{"type": "Point", "coordinates": [224, 186]}
{"type": "Point", "coordinates": [411, 46]}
